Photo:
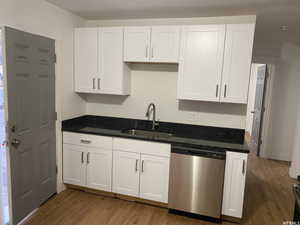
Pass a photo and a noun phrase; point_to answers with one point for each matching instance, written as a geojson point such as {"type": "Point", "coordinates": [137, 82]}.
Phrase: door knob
{"type": "Point", "coordinates": [15, 142]}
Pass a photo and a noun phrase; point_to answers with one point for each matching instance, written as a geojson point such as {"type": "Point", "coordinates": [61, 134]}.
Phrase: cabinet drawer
{"type": "Point", "coordinates": [87, 140]}
{"type": "Point", "coordinates": [144, 147]}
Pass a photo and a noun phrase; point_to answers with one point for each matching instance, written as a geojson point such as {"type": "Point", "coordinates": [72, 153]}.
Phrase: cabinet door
{"type": "Point", "coordinates": [137, 44]}
{"type": "Point", "coordinates": [165, 44]}
{"type": "Point", "coordinates": [154, 178]}
{"type": "Point", "coordinates": [74, 166]}
{"type": "Point", "coordinates": [201, 60]}
{"type": "Point", "coordinates": [112, 72]}
{"type": "Point", "coordinates": [237, 62]}
{"type": "Point", "coordinates": [86, 59]}
{"type": "Point", "coordinates": [99, 169]}
{"type": "Point", "coordinates": [126, 173]}
{"type": "Point", "coordinates": [234, 184]}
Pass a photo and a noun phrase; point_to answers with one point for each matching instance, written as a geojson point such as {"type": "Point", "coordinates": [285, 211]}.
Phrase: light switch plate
{"type": "Point", "coordinates": [192, 117]}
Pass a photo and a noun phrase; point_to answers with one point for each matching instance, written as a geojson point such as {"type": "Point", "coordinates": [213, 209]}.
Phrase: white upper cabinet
{"type": "Point", "coordinates": [137, 44]}
{"type": "Point", "coordinates": [99, 66]}
{"type": "Point", "coordinates": [165, 44]}
{"type": "Point", "coordinates": [152, 44]}
{"type": "Point", "coordinates": [114, 77]}
{"type": "Point", "coordinates": [215, 63]}
{"type": "Point", "coordinates": [201, 61]}
{"type": "Point", "coordinates": [237, 62]}
{"type": "Point", "coordinates": [86, 59]}
{"type": "Point", "coordinates": [234, 184]}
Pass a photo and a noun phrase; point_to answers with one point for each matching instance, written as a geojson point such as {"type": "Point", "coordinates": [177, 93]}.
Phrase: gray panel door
{"type": "Point", "coordinates": [258, 109]}
{"type": "Point", "coordinates": [31, 119]}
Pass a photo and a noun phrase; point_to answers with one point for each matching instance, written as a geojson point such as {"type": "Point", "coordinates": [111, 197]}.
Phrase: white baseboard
{"type": "Point", "coordinates": [23, 221]}
{"type": "Point", "coordinates": [275, 157]}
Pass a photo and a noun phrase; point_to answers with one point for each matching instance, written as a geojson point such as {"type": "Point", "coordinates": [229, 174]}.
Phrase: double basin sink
{"type": "Point", "coordinates": [147, 133]}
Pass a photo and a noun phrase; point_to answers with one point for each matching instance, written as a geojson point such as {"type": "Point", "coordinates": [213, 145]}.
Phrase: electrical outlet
{"type": "Point", "coordinates": [192, 117]}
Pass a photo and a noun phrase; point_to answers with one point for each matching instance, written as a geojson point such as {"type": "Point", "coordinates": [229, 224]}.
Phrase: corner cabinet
{"type": "Point", "coordinates": [99, 66]}
{"type": "Point", "coordinates": [157, 44]}
{"type": "Point", "coordinates": [215, 63]}
{"type": "Point", "coordinates": [234, 186]}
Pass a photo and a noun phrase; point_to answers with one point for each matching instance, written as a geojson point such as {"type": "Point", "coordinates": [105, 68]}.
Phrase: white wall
{"type": "Point", "coordinates": [284, 105]}
{"type": "Point", "coordinates": [158, 83]}
{"type": "Point", "coordinates": [40, 17]}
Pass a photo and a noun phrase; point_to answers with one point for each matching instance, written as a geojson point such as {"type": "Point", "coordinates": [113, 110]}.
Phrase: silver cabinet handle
{"type": "Point", "coordinates": [136, 165]}
{"type": "Point", "coordinates": [82, 159]}
{"type": "Point", "coordinates": [217, 90]}
{"type": "Point", "coordinates": [93, 83]}
{"type": "Point", "coordinates": [142, 166]}
{"type": "Point", "coordinates": [225, 91]}
{"type": "Point", "coordinates": [244, 165]}
{"type": "Point", "coordinates": [98, 83]}
{"type": "Point", "coordinates": [152, 52]}
{"type": "Point", "coordinates": [88, 158]}
{"type": "Point", "coordinates": [85, 141]}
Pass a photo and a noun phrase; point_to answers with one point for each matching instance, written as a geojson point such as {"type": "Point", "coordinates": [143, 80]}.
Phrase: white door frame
{"type": "Point", "coordinates": [267, 105]}
{"type": "Point", "coordinates": [270, 62]}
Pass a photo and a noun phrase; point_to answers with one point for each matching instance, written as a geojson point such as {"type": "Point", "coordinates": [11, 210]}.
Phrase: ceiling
{"type": "Point", "coordinates": [271, 14]}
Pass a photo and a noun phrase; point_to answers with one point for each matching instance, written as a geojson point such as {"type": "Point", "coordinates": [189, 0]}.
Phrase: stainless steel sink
{"type": "Point", "coordinates": [146, 133]}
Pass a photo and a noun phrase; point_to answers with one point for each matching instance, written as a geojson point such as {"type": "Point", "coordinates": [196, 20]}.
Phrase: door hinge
{"type": "Point", "coordinates": [55, 116]}
{"type": "Point", "coordinates": [54, 58]}
{"type": "Point", "coordinates": [56, 169]}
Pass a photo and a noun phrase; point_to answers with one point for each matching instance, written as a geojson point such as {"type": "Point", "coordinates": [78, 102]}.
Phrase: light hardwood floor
{"type": "Point", "coordinates": [269, 201]}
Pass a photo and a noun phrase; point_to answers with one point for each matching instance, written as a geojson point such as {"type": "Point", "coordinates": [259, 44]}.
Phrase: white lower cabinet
{"type": "Point", "coordinates": [87, 161]}
{"type": "Point", "coordinates": [234, 186]}
{"type": "Point", "coordinates": [141, 175]}
{"type": "Point", "coordinates": [99, 169]}
{"type": "Point", "coordinates": [138, 173]}
{"type": "Point", "coordinates": [154, 179]}
{"type": "Point", "coordinates": [87, 167]}
{"type": "Point", "coordinates": [74, 167]}
{"type": "Point", "coordinates": [139, 169]}
{"type": "Point", "coordinates": [126, 173]}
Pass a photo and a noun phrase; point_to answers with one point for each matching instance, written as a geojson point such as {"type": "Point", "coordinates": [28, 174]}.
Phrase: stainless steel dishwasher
{"type": "Point", "coordinates": [196, 181]}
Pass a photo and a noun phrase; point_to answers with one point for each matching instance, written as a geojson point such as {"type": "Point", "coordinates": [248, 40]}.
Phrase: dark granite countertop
{"type": "Point", "coordinates": [184, 135]}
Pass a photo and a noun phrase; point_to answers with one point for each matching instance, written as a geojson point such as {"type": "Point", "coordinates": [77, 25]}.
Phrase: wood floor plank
{"type": "Point", "coordinates": [268, 201]}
